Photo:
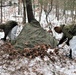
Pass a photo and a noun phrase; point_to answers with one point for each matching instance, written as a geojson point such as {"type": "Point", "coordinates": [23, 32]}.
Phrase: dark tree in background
{"type": "Point", "coordinates": [29, 11]}
{"type": "Point", "coordinates": [1, 11]}
{"type": "Point", "coordinates": [24, 12]}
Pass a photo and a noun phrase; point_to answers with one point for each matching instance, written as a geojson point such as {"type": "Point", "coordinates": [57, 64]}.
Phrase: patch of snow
{"type": "Point", "coordinates": [1, 35]}
{"type": "Point", "coordinates": [73, 45]}
{"type": "Point", "coordinates": [49, 50]}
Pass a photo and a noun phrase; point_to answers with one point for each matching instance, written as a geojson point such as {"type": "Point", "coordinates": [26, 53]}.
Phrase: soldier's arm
{"type": "Point", "coordinates": [67, 34]}
{"type": "Point", "coordinates": [62, 39]}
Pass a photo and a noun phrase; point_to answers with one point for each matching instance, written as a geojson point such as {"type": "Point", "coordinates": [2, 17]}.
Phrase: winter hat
{"type": "Point", "coordinates": [58, 29]}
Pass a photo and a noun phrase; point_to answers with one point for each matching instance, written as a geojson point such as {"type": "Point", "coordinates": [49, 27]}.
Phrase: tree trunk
{"type": "Point", "coordinates": [31, 18]}
{"type": "Point", "coordinates": [72, 10]}
{"type": "Point", "coordinates": [50, 9]}
{"type": "Point", "coordinates": [64, 8]}
{"type": "Point", "coordinates": [24, 12]}
{"type": "Point", "coordinates": [33, 6]}
{"type": "Point", "coordinates": [29, 11]}
{"type": "Point", "coordinates": [19, 7]}
{"type": "Point", "coordinates": [1, 11]}
{"type": "Point", "coordinates": [57, 9]}
{"type": "Point", "coordinates": [40, 14]}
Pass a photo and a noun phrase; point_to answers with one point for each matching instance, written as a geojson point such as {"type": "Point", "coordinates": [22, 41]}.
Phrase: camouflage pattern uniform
{"type": "Point", "coordinates": [68, 32]}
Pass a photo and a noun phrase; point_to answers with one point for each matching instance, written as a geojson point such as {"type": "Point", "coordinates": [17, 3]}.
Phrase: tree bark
{"type": "Point", "coordinates": [50, 9]}
{"type": "Point", "coordinates": [33, 3]}
{"type": "Point", "coordinates": [19, 7]}
{"type": "Point", "coordinates": [29, 11]}
{"type": "Point", "coordinates": [1, 11]}
{"type": "Point", "coordinates": [24, 12]}
{"type": "Point", "coordinates": [57, 9]}
{"type": "Point", "coordinates": [40, 14]}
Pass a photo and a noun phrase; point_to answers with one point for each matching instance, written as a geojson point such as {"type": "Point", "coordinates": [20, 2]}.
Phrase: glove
{"type": "Point", "coordinates": [68, 41]}
{"type": "Point", "coordinates": [57, 45]}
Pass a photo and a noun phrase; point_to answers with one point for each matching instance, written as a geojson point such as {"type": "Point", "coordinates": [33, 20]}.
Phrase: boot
{"type": "Point", "coordinates": [70, 54]}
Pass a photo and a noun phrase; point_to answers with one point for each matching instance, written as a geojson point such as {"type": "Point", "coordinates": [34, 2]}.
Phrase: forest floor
{"type": "Point", "coordinates": [40, 60]}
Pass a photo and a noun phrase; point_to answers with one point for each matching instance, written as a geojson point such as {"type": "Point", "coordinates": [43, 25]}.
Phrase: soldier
{"type": "Point", "coordinates": [68, 32]}
{"type": "Point", "coordinates": [7, 27]}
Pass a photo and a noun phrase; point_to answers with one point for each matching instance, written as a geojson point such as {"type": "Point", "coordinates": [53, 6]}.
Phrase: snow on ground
{"type": "Point", "coordinates": [37, 66]}
{"type": "Point", "coordinates": [73, 46]}
{"type": "Point", "coordinates": [1, 35]}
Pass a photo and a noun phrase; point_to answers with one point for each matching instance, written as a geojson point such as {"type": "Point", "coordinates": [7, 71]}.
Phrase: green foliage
{"type": "Point", "coordinates": [32, 35]}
